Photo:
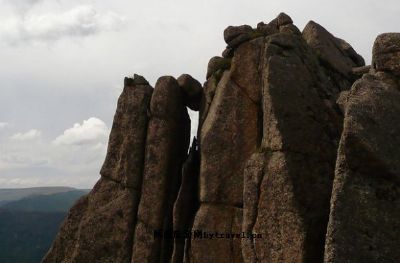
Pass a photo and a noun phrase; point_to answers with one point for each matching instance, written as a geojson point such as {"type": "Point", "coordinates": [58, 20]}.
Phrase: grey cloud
{"type": "Point", "coordinates": [51, 86]}
{"type": "Point", "coordinates": [79, 21]}
{"type": "Point", "coordinates": [23, 160]}
{"type": "Point", "coordinates": [4, 125]}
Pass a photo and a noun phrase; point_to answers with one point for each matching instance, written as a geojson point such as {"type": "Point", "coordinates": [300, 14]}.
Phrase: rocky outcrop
{"type": "Point", "coordinates": [291, 161]}
{"type": "Point", "coordinates": [230, 120]}
{"type": "Point", "coordinates": [300, 135]}
{"type": "Point", "coordinates": [386, 53]}
{"type": "Point", "coordinates": [167, 142]}
{"type": "Point", "coordinates": [99, 226]}
{"type": "Point", "coordinates": [192, 91]}
{"type": "Point", "coordinates": [140, 180]}
{"type": "Point", "coordinates": [365, 208]}
{"type": "Point", "coordinates": [277, 100]}
{"type": "Point", "coordinates": [334, 53]}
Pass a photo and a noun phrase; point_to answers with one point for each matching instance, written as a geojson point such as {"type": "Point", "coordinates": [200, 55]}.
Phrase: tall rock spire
{"type": "Point", "coordinates": [292, 162]}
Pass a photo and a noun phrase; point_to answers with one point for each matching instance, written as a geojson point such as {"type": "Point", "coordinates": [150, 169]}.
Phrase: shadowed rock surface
{"type": "Point", "coordinates": [334, 53]}
{"type": "Point", "coordinates": [297, 158]}
{"type": "Point", "coordinates": [365, 210]}
{"type": "Point", "coordinates": [186, 203]}
{"type": "Point", "coordinates": [300, 135]}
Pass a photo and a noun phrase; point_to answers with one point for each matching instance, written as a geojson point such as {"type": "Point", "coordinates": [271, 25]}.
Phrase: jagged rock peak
{"type": "Point", "coordinates": [321, 39]}
{"type": "Point", "coordinates": [234, 36]}
{"type": "Point", "coordinates": [281, 20]}
{"type": "Point", "coordinates": [136, 80]}
{"type": "Point", "coordinates": [292, 145]}
{"type": "Point", "coordinates": [336, 55]}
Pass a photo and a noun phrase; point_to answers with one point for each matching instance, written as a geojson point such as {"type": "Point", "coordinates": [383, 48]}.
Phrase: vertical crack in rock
{"type": "Point", "coordinates": [229, 135]}
{"type": "Point", "coordinates": [253, 176]}
{"type": "Point", "coordinates": [186, 203]}
{"type": "Point", "coordinates": [365, 206]}
{"type": "Point", "coordinates": [267, 163]}
{"type": "Point", "coordinates": [99, 226]}
{"type": "Point", "coordinates": [166, 148]}
{"type": "Point", "coordinates": [301, 130]}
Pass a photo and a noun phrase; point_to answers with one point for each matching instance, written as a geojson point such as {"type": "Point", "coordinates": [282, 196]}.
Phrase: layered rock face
{"type": "Point", "coordinates": [292, 161]}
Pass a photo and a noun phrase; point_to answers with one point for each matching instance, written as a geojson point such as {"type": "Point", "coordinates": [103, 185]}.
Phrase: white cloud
{"type": "Point", "coordinates": [72, 159]}
{"type": "Point", "coordinates": [80, 21]}
{"type": "Point", "coordinates": [91, 131]}
{"type": "Point", "coordinates": [29, 135]}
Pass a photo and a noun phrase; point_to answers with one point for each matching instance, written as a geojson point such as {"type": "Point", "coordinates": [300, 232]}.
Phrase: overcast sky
{"type": "Point", "coordinates": [62, 64]}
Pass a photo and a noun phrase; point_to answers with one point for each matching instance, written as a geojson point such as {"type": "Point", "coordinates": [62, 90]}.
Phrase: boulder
{"type": "Point", "coordinates": [361, 70]}
{"type": "Point", "coordinates": [386, 53]}
{"type": "Point", "coordinates": [231, 32]}
{"type": "Point", "coordinates": [267, 29]}
{"type": "Point", "coordinates": [192, 91]}
{"type": "Point", "coordinates": [228, 53]}
{"type": "Point", "coordinates": [240, 39]}
{"type": "Point", "coordinates": [237, 35]}
{"type": "Point", "coordinates": [217, 63]}
{"type": "Point", "coordinates": [281, 20]}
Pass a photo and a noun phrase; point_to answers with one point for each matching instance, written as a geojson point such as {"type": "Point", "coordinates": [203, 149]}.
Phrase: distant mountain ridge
{"type": "Point", "coordinates": [13, 194]}
{"type": "Point", "coordinates": [30, 218]}
{"type": "Point", "coordinates": [58, 202]}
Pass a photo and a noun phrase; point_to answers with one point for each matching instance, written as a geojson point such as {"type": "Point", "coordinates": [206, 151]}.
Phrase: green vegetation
{"type": "Point", "coordinates": [29, 225]}
{"type": "Point", "coordinates": [60, 202]}
{"type": "Point", "coordinates": [25, 237]}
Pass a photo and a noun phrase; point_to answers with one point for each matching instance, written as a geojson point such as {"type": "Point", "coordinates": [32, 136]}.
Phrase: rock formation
{"type": "Point", "coordinates": [99, 226]}
{"type": "Point", "coordinates": [297, 158]}
{"type": "Point", "coordinates": [365, 208]}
